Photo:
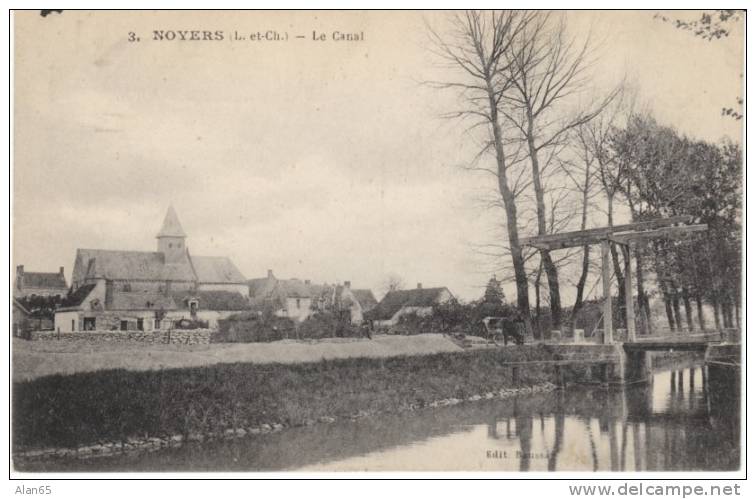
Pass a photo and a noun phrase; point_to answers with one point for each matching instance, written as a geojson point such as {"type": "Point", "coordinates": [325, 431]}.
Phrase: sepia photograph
{"type": "Point", "coordinates": [500, 241]}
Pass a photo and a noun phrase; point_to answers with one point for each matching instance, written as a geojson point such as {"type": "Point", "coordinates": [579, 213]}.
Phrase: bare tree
{"type": "Point", "coordinates": [583, 180]}
{"type": "Point", "coordinates": [477, 45]}
{"type": "Point", "coordinates": [546, 68]}
{"type": "Point", "coordinates": [392, 282]}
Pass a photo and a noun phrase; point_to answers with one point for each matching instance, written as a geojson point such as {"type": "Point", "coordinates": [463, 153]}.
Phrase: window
{"type": "Point", "coordinates": [156, 325]}
{"type": "Point", "coordinates": [89, 324]}
{"type": "Point", "coordinates": [73, 324]}
{"type": "Point", "coordinates": [140, 324]}
{"type": "Point", "coordinates": [124, 325]}
{"type": "Point", "coordinates": [298, 302]}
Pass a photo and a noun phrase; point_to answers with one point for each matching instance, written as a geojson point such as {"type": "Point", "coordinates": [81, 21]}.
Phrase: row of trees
{"type": "Point", "coordinates": [559, 152]}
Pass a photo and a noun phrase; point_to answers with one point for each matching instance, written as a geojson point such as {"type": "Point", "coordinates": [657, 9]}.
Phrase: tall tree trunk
{"type": "Point", "coordinates": [580, 286]}
{"type": "Point", "coordinates": [727, 313]}
{"type": "Point", "coordinates": [676, 307]}
{"type": "Point", "coordinates": [554, 298]}
{"type": "Point", "coordinates": [548, 265]}
{"type": "Point", "coordinates": [663, 287]}
{"type": "Point", "coordinates": [688, 309]}
{"type": "Point", "coordinates": [508, 198]}
{"type": "Point", "coordinates": [538, 301]}
{"type": "Point", "coordinates": [717, 319]}
{"type": "Point", "coordinates": [668, 309]}
{"type": "Point", "coordinates": [699, 313]}
{"type": "Point", "coordinates": [643, 305]}
{"type": "Point", "coordinates": [586, 251]}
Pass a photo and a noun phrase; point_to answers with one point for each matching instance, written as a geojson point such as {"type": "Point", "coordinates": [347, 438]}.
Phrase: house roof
{"type": "Point", "coordinates": [395, 300]}
{"type": "Point", "coordinates": [76, 298]}
{"type": "Point", "coordinates": [272, 287]}
{"type": "Point", "coordinates": [123, 300]}
{"type": "Point", "coordinates": [171, 225]}
{"type": "Point", "coordinates": [129, 265]}
{"type": "Point", "coordinates": [51, 280]}
{"type": "Point", "coordinates": [261, 287]}
{"type": "Point", "coordinates": [20, 306]}
{"type": "Point", "coordinates": [294, 288]}
{"type": "Point", "coordinates": [212, 300]}
{"type": "Point", "coordinates": [216, 269]}
{"type": "Point", "coordinates": [151, 266]}
{"type": "Point", "coordinates": [365, 298]}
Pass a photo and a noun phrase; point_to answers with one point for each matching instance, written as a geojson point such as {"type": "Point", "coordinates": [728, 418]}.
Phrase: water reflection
{"type": "Point", "coordinates": [687, 419]}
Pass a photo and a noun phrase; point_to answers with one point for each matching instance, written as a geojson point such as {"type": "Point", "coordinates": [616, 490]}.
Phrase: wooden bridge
{"type": "Point", "coordinates": [635, 350]}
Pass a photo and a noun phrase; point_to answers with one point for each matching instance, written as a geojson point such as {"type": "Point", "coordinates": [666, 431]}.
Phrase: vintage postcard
{"type": "Point", "coordinates": [382, 241]}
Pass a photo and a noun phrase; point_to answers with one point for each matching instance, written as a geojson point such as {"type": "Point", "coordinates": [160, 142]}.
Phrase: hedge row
{"type": "Point", "coordinates": [254, 328]}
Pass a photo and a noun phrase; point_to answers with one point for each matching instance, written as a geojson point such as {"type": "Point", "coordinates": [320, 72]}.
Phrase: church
{"type": "Point", "coordinates": [150, 290]}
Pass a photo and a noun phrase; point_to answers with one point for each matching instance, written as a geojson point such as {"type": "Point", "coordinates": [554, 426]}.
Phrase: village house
{"type": "Point", "coordinates": [299, 299]}
{"type": "Point", "coordinates": [140, 290]}
{"type": "Point", "coordinates": [21, 318]}
{"type": "Point", "coordinates": [32, 284]}
{"type": "Point", "coordinates": [290, 298]}
{"type": "Point", "coordinates": [397, 303]}
{"type": "Point", "coordinates": [357, 302]}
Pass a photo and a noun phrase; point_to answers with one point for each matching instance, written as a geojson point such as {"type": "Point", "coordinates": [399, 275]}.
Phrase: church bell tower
{"type": "Point", "coordinates": [172, 238]}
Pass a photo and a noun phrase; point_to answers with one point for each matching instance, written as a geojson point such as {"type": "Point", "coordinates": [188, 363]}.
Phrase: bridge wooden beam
{"type": "Point", "coordinates": [593, 236]}
{"type": "Point", "coordinates": [678, 231]}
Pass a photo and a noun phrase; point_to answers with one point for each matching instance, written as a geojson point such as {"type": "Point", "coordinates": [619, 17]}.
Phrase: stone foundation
{"type": "Point", "coordinates": [175, 336]}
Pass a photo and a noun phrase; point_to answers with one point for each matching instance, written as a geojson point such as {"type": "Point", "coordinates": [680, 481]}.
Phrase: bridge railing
{"type": "Point", "coordinates": [729, 335]}
{"type": "Point", "coordinates": [619, 335]}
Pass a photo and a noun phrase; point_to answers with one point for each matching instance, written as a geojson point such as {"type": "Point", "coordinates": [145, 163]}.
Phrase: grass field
{"type": "Point", "coordinates": [33, 359]}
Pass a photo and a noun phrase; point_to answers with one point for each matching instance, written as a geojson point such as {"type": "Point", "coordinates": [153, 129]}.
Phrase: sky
{"type": "Point", "coordinates": [320, 160]}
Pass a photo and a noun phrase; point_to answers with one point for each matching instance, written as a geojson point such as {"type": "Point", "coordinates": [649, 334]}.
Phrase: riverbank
{"type": "Point", "coordinates": [119, 410]}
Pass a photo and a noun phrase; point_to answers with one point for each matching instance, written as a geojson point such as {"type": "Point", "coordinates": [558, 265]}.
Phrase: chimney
{"type": "Point", "coordinates": [270, 273]}
{"type": "Point", "coordinates": [347, 284]}
{"type": "Point", "coordinates": [61, 271]}
{"type": "Point", "coordinates": [419, 285]}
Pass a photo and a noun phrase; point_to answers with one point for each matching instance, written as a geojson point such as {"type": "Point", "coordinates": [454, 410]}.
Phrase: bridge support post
{"type": "Point", "coordinates": [629, 302]}
{"type": "Point", "coordinates": [559, 375]}
{"type": "Point", "coordinates": [607, 285]}
{"type": "Point", "coordinates": [637, 366]}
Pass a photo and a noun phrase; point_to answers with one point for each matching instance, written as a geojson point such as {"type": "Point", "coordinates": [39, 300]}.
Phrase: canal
{"type": "Point", "coordinates": [687, 419]}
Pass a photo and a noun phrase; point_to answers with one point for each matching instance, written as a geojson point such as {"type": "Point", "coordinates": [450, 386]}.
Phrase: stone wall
{"type": "Point", "coordinates": [175, 336]}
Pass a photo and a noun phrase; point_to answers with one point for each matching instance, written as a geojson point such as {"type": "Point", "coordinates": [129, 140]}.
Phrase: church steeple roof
{"type": "Point", "coordinates": [171, 225]}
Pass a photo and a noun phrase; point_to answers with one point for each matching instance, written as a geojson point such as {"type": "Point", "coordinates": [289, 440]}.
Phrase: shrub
{"type": "Point", "coordinates": [250, 327]}
{"type": "Point", "coordinates": [191, 324]}
{"type": "Point", "coordinates": [328, 325]}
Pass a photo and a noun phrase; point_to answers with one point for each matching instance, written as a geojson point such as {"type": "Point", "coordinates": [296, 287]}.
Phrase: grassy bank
{"type": "Point", "coordinates": [113, 405]}
{"type": "Point", "coordinates": [35, 359]}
